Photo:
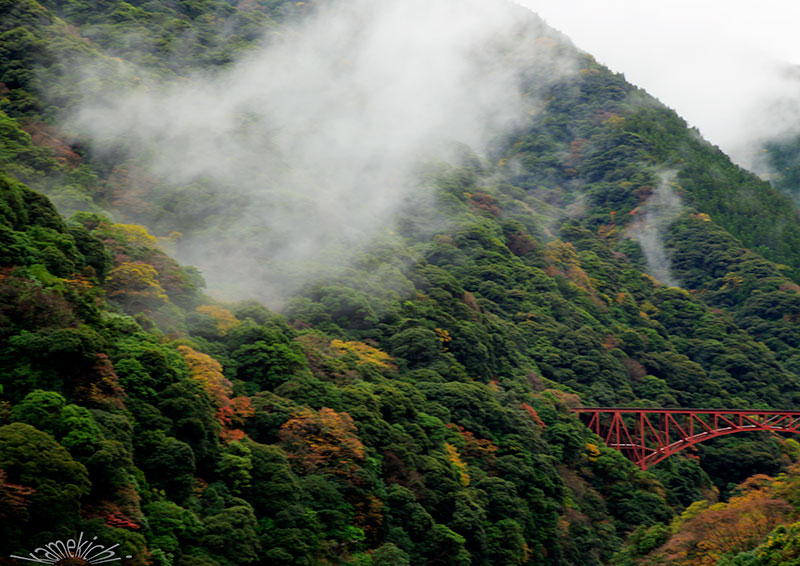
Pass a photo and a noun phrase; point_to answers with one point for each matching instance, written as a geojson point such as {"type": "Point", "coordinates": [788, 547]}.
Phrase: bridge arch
{"type": "Point", "coordinates": [648, 436]}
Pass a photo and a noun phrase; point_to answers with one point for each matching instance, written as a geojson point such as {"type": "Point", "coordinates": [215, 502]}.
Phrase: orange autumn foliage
{"type": "Point", "coordinates": [208, 372]}
{"type": "Point", "coordinates": [231, 413]}
{"type": "Point", "coordinates": [117, 514]}
{"type": "Point", "coordinates": [368, 515]}
{"type": "Point", "coordinates": [705, 533]}
{"type": "Point", "coordinates": [114, 517]}
{"type": "Point", "coordinates": [562, 259]}
{"type": "Point", "coordinates": [322, 440]}
{"type": "Point", "coordinates": [475, 447]}
{"type": "Point", "coordinates": [478, 447]}
{"type": "Point", "coordinates": [534, 415]}
{"type": "Point", "coordinates": [458, 463]}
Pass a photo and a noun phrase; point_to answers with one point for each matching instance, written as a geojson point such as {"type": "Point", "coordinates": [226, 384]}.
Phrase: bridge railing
{"type": "Point", "coordinates": [647, 435]}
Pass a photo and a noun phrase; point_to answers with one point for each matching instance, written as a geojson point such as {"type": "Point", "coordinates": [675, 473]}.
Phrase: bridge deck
{"type": "Point", "coordinates": [687, 410]}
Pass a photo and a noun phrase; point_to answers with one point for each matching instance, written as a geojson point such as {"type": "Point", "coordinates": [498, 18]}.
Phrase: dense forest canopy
{"type": "Point", "coordinates": [425, 231]}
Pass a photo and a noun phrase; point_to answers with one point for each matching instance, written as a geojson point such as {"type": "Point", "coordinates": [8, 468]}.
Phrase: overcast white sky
{"type": "Point", "coordinates": [719, 63]}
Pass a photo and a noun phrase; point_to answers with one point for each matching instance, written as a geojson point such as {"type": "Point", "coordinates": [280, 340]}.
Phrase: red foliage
{"type": "Point", "coordinates": [534, 415]}
{"type": "Point", "coordinates": [113, 515]}
{"type": "Point", "coordinates": [232, 416]}
{"type": "Point", "coordinates": [121, 522]}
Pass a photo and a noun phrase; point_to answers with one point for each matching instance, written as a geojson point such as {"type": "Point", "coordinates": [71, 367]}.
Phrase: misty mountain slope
{"type": "Point", "coordinates": [534, 298]}
{"type": "Point", "coordinates": [584, 136]}
{"type": "Point", "coordinates": [142, 439]}
{"type": "Point", "coordinates": [388, 476]}
{"type": "Point", "coordinates": [163, 38]}
{"type": "Point", "coordinates": [601, 139]}
{"type": "Point", "coordinates": [781, 163]}
{"type": "Point", "coordinates": [592, 147]}
{"type": "Point", "coordinates": [456, 265]}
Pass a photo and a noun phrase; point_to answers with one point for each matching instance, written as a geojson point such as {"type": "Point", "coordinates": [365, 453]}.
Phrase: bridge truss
{"type": "Point", "coordinates": [648, 436]}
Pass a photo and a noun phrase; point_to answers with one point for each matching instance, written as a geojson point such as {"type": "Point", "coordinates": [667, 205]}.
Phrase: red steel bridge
{"type": "Point", "coordinates": [648, 436]}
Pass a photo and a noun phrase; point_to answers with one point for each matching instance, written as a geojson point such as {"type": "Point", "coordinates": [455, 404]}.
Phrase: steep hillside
{"type": "Point", "coordinates": [782, 165]}
{"type": "Point", "coordinates": [409, 403]}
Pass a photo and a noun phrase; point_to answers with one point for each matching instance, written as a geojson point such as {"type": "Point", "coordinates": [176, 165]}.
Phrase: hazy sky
{"type": "Point", "coordinates": [719, 63]}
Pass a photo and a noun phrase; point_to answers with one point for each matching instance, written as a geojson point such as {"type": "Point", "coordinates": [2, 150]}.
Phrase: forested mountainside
{"type": "Point", "coordinates": [781, 163]}
{"type": "Point", "coordinates": [412, 405]}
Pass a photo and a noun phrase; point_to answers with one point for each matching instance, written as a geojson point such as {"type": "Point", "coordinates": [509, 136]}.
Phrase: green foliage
{"type": "Point", "coordinates": [267, 365]}
{"type": "Point", "coordinates": [231, 534]}
{"type": "Point", "coordinates": [416, 417]}
{"type": "Point", "coordinates": [782, 164]}
{"type": "Point", "coordinates": [34, 459]}
{"type": "Point", "coordinates": [390, 555]}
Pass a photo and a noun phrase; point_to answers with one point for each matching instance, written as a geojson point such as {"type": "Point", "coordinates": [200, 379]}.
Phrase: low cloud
{"type": "Point", "coordinates": [304, 150]}
{"type": "Point", "coordinates": [729, 68]}
{"type": "Point", "coordinates": [660, 210]}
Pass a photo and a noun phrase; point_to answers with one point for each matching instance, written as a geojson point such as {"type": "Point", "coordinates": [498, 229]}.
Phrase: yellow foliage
{"type": "Point", "coordinates": [558, 251]}
{"type": "Point", "coordinates": [564, 257]}
{"type": "Point", "coordinates": [732, 280]}
{"type": "Point", "coordinates": [607, 231]}
{"type": "Point", "coordinates": [364, 352]}
{"type": "Point", "coordinates": [650, 308]}
{"type": "Point", "coordinates": [135, 234]}
{"type": "Point", "coordinates": [614, 120]}
{"type": "Point", "coordinates": [135, 282]}
{"type": "Point", "coordinates": [208, 372]}
{"type": "Point", "coordinates": [223, 317]}
{"type": "Point", "coordinates": [592, 452]}
{"type": "Point", "coordinates": [444, 336]}
{"type": "Point", "coordinates": [455, 459]}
